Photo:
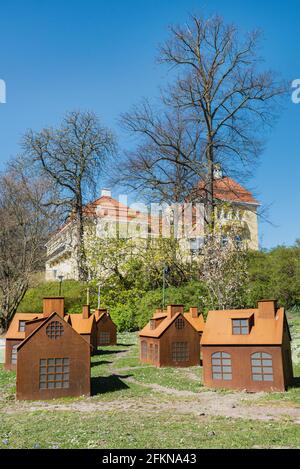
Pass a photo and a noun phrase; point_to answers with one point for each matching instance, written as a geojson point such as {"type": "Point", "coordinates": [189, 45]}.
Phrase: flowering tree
{"type": "Point", "coordinates": [224, 270]}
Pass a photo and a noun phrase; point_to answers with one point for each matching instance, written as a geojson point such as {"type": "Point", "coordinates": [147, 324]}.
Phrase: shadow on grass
{"type": "Point", "coordinates": [102, 385]}
{"type": "Point", "coordinates": [101, 362]}
{"type": "Point", "coordinates": [109, 352]}
{"type": "Point", "coordinates": [296, 383]}
{"type": "Point", "coordinates": [126, 345]}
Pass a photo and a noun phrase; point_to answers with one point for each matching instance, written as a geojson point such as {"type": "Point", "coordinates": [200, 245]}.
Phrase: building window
{"type": "Point", "coordinates": [54, 330]}
{"type": "Point", "coordinates": [262, 367]}
{"type": "Point", "coordinates": [54, 373]}
{"type": "Point", "coordinates": [22, 326]}
{"type": "Point", "coordinates": [144, 350]}
{"type": "Point", "coordinates": [104, 338]}
{"type": "Point", "coordinates": [179, 323]}
{"type": "Point", "coordinates": [156, 353]}
{"type": "Point", "coordinates": [14, 355]}
{"type": "Point", "coordinates": [240, 326]}
{"type": "Point", "coordinates": [221, 366]}
{"type": "Point", "coordinates": [180, 351]}
{"type": "Point", "coordinates": [151, 352]}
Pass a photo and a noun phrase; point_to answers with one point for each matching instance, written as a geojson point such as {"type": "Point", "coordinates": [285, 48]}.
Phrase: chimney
{"type": "Point", "coordinates": [99, 311]}
{"type": "Point", "coordinates": [267, 309]}
{"type": "Point", "coordinates": [86, 312]}
{"type": "Point", "coordinates": [194, 312]}
{"type": "Point", "coordinates": [105, 193]}
{"type": "Point", "coordinates": [173, 309]}
{"type": "Point", "coordinates": [53, 305]}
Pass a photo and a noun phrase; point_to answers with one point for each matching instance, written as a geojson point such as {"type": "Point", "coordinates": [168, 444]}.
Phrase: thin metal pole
{"type": "Point", "coordinates": [99, 293]}
{"type": "Point", "coordinates": [88, 295]}
{"type": "Point", "coordinates": [164, 286]}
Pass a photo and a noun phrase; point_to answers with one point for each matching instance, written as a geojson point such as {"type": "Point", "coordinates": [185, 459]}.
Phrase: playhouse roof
{"type": "Point", "coordinates": [264, 331]}
{"type": "Point", "coordinates": [160, 329]}
{"type": "Point", "coordinates": [197, 323]}
{"type": "Point", "coordinates": [80, 324]}
{"type": "Point", "coordinates": [13, 330]}
{"type": "Point", "coordinates": [42, 323]}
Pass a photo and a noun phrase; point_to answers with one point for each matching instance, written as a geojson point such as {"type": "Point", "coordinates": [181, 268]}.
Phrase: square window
{"type": "Point", "coordinates": [267, 363]}
{"type": "Point", "coordinates": [66, 361]}
{"type": "Point", "coordinates": [256, 369]}
{"type": "Point", "coordinates": [257, 377]}
{"type": "Point", "coordinates": [226, 369]}
{"type": "Point", "coordinates": [268, 377]}
{"type": "Point", "coordinates": [51, 369]}
{"type": "Point", "coordinates": [227, 377]}
{"type": "Point", "coordinates": [216, 361]}
{"type": "Point", "coordinates": [58, 369]}
{"type": "Point", "coordinates": [43, 370]}
{"type": "Point", "coordinates": [43, 362]}
{"type": "Point", "coordinates": [236, 331]}
{"type": "Point", "coordinates": [226, 361]}
{"type": "Point", "coordinates": [58, 385]}
{"type": "Point", "coordinates": [268, 371]}
{"type": "Point", "coordinates": [43, 378]}
{"type": "Point", "coordinates": [245, 331]}
{"type": "Point", "coordinates": [51, 361]}
{"type": "Point", "coordinates": [66, 377]}
{"type": "Point", "coordinates": [58, 361]}
{"type": "Point", "coordinates": [217, 369]}
{"type": "Point", "coordinates": [58, 377]}
{"type": "Point", "coordinates": [217, 376]}
{"type": "Point", "coordinates": [51, 385]}
{"type": "Point", "coordinates": [256, 363]}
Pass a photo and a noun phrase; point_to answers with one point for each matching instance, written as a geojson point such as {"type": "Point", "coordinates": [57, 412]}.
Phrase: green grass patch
{"type": "Point", "coordinates": [48, 429]}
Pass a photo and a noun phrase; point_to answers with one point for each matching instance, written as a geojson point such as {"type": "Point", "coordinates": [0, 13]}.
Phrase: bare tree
{"type": "Point", "coordinates": [223, 100]}
{"type": "Point", "coordinates": [24, 228]}
{"type": "Point", "coordinates": [73, 157]}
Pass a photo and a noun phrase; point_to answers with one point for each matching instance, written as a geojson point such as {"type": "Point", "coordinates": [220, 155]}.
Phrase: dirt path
{"type": "Point", "coordinates": [203, 403]}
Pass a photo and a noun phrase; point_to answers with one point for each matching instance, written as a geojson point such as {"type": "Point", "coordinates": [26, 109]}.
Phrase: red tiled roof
{"type": "Point", "coordinates": [229, 190]}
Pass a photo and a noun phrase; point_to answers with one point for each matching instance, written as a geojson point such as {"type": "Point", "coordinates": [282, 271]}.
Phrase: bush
{"type": "Point", "coordinates": [124, 316]}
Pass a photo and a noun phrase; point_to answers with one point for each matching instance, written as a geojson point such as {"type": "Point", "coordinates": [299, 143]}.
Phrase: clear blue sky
{"type": "Point", "coordinates": [59, 55]}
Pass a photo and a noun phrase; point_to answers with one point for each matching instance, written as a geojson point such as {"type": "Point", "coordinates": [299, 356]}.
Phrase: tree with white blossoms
{"type": "Point", "coordinates": [224, 270]}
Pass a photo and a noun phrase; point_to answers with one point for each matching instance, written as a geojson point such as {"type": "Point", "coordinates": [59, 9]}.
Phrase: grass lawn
{"type": "Point", "coordinates": [139, 406]}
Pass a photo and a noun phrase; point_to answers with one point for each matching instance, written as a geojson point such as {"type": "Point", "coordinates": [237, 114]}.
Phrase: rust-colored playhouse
{"type": "Point", "coordinates": [53, 361]}
{"type": "Point", "coordinates": [106, 328]}
{"type": "Point", "coordinates": [85, 324]}
{"type": "Point", "coordinates": [14, 336]}
{"type": "Point", "coordinates": [169, 339]}
{"type": "Point", "coordinates": [248, 349]}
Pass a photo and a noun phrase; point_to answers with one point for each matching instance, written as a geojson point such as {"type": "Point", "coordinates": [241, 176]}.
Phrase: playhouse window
{"type": "Point", "coordinates": [14, 355]}
{"type": "Point", "coordinates": [54, 330]}
{"type": "Point", "coordinates": [144, 350]}
{"type": "Point", "coordinates": [54, 373]}
{"type": "Point", "coordinates": [240, 326]}
{"type": "Point", "coordinates": [180, 351]}
{"type": "Point", "coordinates": [22, 326]}
{"type": "Point", "coordinates": [179, 323]}
{"type": "Point", "coordinates": [221, 366]}
{"type": "Point", "coordinates": [156, 353]}
{"type": "Point", "coordinates": [104, 337]}
{"type": "Point", "coordinates": [262, 366]}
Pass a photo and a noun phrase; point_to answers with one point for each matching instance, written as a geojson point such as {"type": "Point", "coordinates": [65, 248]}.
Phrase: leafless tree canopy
{"type": "Point", "coordinates": [73, 157]}
{"type": "Point", "coordinates": [24, 228]}
{"type": "Point", "coordinates": [216, 111]}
